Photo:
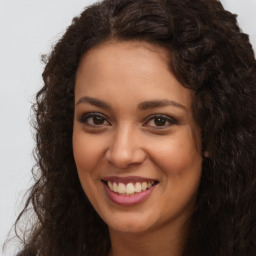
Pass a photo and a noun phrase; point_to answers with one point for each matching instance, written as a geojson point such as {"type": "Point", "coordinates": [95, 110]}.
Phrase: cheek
{"type": "Point", "coordinates": [181, 165]}
{"type": "Point", "coordinates": [86, 152]}
{"type": "Point", "coordinates": [177, 155]}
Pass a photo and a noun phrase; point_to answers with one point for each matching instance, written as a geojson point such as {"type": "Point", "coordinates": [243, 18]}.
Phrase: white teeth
{"type": "Point", "coordinates": [110, 185]}
{"type": "Point", "coordinates": [144, 185]}
{"type": "Point", "coordinates": [115, 188]}
{"type": "Point", "coordinates": [121, 188]}
{"type": "Point", "coordinates": [130, 188]}
{"type": "Point", "coordinates": [137, 187]}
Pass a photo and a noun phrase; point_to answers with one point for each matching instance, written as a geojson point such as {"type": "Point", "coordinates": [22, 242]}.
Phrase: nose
{"type": "Point", "coordinates": [125, 148]}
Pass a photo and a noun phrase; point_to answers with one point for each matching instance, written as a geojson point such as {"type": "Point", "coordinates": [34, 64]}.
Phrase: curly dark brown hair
{"type": "Point", "coordinates": [211, 56]}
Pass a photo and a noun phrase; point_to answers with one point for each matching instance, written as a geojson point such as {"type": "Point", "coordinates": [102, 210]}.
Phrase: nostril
{"type": "Point", "coordinates": [123, 158]}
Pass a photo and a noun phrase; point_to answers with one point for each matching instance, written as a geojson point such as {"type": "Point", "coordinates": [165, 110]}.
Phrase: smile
{"type": "Point", "coordinates": [128, 191]}
{"type": "Point", "coordinates": [130, 188]}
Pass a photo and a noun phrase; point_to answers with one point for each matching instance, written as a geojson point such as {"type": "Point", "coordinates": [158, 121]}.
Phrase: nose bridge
{"type": "Point", "coordinates": [125, 147]}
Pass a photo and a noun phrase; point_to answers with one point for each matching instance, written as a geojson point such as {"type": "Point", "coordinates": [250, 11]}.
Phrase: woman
{"type": "Point", "coordinates": [146, 132]}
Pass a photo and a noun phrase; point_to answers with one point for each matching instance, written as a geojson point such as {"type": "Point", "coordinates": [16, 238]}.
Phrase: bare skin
{"type": "Point", "coordinates": [133, 118]}
{"type": "Point", "coordinates": [150, 244]}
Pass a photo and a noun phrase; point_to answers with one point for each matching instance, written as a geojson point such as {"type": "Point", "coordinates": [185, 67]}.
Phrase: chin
{"type": "Point", "coordinates": [130, 224]}
{"type": "Point", "coordinates": [129, 228]}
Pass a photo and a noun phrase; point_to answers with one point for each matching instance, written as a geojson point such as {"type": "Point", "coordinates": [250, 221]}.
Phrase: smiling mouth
{"type": "Point", "coordinates": [129, 188]}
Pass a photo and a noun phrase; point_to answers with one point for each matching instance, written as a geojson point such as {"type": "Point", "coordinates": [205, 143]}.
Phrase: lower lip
{"type": "Point", "coordinates": [125, 200]}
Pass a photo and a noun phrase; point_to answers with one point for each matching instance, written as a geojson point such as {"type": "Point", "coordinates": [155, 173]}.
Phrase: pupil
{"type": "Point", "coordinates": [160, 121]}
{"type": "Point", "coordinates": [98, 120]}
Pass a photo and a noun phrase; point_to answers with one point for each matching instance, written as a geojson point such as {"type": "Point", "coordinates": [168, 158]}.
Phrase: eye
{"type": "Point", "coordinates": [160, 121]}
{"type": "Point", "coordinates": [94, 119]}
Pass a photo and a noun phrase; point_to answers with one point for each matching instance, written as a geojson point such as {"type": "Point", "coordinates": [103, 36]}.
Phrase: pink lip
{"type": "Point", "coordinates": [125, 200]}
{"type": "Point", "coordinates": [128, 179]}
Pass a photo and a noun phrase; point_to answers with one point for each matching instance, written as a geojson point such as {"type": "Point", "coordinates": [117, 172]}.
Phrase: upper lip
{"type": "Point", "coordinates": [128, 179]}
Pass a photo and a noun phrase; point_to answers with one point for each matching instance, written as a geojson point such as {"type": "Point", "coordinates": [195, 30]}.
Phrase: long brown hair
{"type": "Point", "coordinates": [211, 56]}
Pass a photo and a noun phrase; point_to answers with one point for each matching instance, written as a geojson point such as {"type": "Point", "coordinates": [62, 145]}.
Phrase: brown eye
{"type": "Point", "coordinates": [94, 119]}
{"type": "Point", "coordinates": [98, 120]}
{"type": "Point", "coordinates": [160, 121]}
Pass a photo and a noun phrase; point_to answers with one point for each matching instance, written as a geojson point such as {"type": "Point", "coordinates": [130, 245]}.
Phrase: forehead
{"type": "Point", "coordinates": [106, 48]}
{"type": "Point", "coordinates": [136, 69]}
{"type": "Point", "coordinates": [123, 56]}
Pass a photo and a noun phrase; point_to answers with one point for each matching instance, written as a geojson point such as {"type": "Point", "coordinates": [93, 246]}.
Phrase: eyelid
{"type": "Point", "coordinates": [85, 116]}
{"type": "Point", "coordinates": [171, 120]}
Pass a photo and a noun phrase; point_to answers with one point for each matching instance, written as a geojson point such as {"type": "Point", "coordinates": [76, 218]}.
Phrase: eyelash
{"type": "Point", "coordinates": [166, 119]}
{"type": "Point", "coordinates": [84, 119]}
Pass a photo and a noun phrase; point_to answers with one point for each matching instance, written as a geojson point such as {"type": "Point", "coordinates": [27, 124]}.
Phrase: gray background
{"type": "Point", "coordinates": [28, 28]}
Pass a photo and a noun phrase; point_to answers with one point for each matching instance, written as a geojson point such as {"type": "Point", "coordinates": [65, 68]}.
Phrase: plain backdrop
{"type": "Point", "coordinates": [28, 28]}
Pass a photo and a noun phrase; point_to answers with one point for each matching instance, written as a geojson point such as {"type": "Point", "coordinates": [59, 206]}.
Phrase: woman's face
{"type": "Point", "coordinates": [136, 145]}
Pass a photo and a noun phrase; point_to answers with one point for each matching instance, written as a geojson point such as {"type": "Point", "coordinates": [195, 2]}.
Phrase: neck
{"type": "Point", "coordinates": [162, 242]}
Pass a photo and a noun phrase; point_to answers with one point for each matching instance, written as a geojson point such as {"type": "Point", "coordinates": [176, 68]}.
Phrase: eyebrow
{"type": "Point", "coordinates": [159, 103]}
{"type": "Point", "coordinates": [94, 102]}
{"type": "Point", "coordinates": [145, 105]}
